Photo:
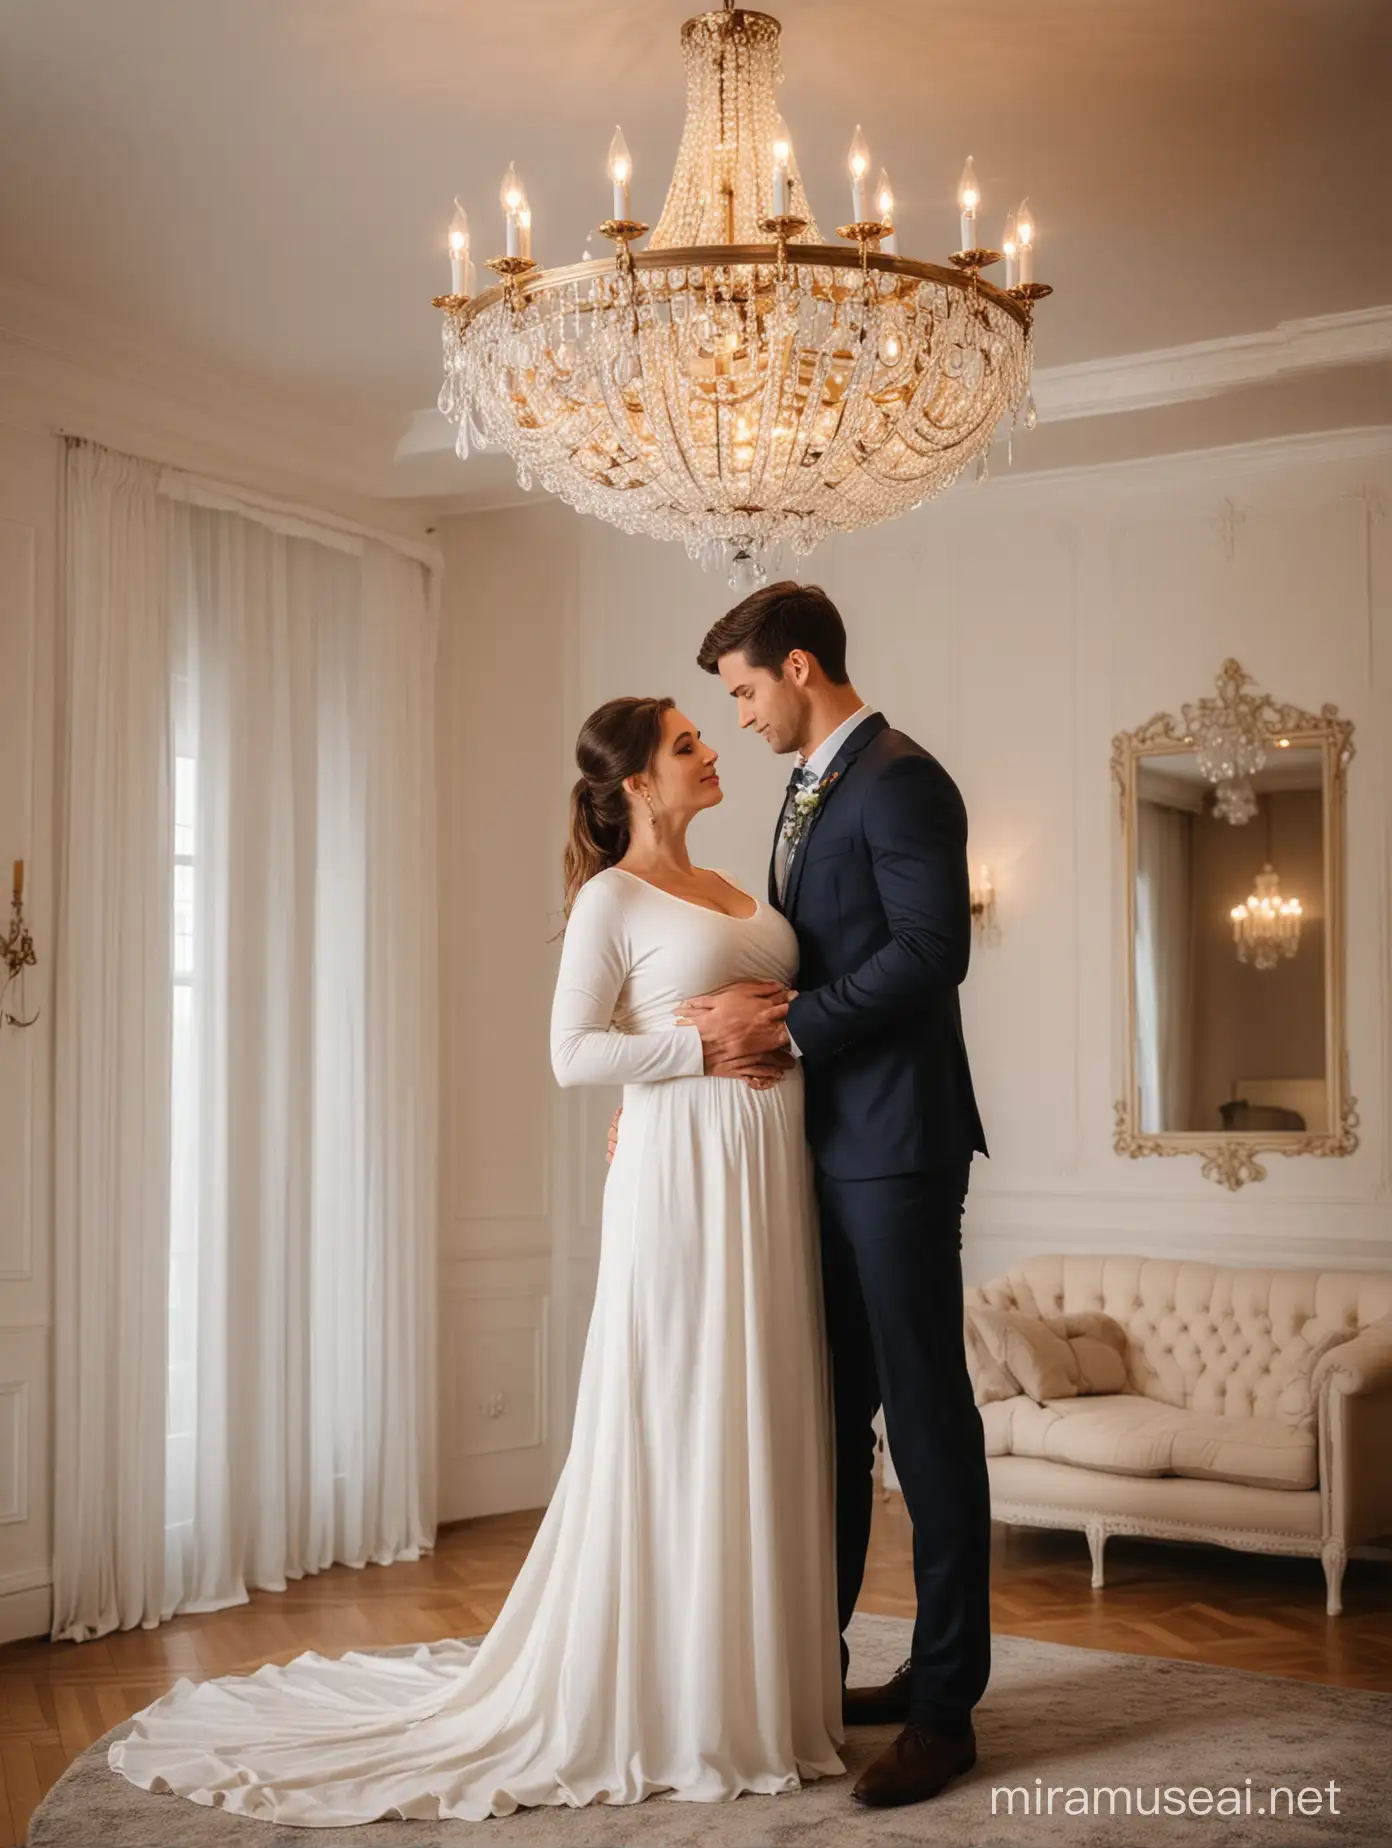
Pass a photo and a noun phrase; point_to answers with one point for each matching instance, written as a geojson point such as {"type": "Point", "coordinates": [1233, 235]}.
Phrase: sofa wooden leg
{"type": "Point", "coordinates": [1097, 1541]}
{"type": "Point", "coordinates": [1334, 1556]}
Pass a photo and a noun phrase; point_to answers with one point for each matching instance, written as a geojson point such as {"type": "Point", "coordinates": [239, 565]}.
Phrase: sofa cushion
{"type": "Point", "coordinates": [1120, 1432]}
{"type": "Point", "coordinates": [990, 1381]}
{"type": "Point", "coordinates": [997, 1417]}
{"type": "Point", "coordinates": [1263, 1453]}
{"type": "Point", "coordinates": [1053, 1357]}
{"type": "Point", "coordinates": [1126, 1434]}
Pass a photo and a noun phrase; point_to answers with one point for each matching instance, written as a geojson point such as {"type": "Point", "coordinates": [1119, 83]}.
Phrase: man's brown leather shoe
{"type": "Point", "coordinates": [885, 1706]}
{"type": "Point", "coordinates": [916, 1767]}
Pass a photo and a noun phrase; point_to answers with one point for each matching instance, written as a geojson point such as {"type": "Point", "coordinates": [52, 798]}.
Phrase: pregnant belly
{"type": "Point", "coordinates": [687, 1127]}
{"type": "Point", "coordinates": [710, 1183]}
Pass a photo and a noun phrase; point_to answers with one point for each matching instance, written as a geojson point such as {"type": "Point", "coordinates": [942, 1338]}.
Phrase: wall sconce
{"type": "Point", "coordinates": [16, 951]}
{"type": "Point", "coordinates": [983, 907]}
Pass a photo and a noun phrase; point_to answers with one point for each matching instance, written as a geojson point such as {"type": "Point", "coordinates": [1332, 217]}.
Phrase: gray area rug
{"type": "Point", "coordinates": [1078, 1720]}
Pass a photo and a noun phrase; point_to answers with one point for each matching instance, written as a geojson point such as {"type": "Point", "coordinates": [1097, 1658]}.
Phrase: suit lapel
{"type": "Point", "coordinates": [830, 783]}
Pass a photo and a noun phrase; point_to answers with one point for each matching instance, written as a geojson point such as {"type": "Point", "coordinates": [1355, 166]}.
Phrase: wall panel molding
{"type": "Point", "coordinates": [14, 1454]}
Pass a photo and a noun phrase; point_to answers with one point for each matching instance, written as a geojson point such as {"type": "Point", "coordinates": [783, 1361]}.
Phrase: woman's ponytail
{"type": "Point", "coordinates": [618, 741]}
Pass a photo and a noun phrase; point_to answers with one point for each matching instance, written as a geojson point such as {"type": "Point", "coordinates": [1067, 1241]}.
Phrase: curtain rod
{"type": "Point", "coordinates": [255, 501]}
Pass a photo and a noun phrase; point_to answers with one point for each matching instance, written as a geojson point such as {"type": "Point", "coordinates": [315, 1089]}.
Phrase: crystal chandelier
{"type": "Point", "coordinates": [1230, 741]}
{"type": "Point", "coordinates": [1267, 927]}
{"type": "Point", "coordinates": [740, 384]}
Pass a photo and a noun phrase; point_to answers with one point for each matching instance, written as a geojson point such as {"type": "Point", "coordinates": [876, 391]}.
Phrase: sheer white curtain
{"type": "Point", "coordinates": [301, 1379]}
{"type": "Point", "coordinates": [112, 1079]}
{"type": "Point", "coordinates": [1164, 968]}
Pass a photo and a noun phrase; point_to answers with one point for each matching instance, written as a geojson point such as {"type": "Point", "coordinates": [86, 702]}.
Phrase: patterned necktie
{"type": "Point", "coordinates": [802, 778]}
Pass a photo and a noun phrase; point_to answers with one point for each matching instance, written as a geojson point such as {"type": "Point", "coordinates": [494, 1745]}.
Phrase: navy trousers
{"type": "Point", "coordinates": [892, 1273]}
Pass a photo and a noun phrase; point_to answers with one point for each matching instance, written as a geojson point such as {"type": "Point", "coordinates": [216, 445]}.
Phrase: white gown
{"type": "Point", "coordinates": [673, 1628]}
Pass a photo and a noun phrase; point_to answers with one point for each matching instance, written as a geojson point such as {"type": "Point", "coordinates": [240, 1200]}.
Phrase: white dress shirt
{"type": "Point", "coordinates": [821, 759]}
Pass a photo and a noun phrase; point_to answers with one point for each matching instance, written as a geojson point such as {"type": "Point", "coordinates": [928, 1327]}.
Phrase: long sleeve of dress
{"type": "Point", "coordinates": [586, 1047]}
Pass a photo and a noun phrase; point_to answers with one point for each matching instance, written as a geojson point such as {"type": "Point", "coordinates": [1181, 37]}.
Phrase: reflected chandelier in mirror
{"type": "Point", "coordinates": [1233, 820]}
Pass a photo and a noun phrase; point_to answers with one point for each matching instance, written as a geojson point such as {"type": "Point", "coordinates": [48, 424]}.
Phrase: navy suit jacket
{"type": "Point", "coordinates": [879, 896]}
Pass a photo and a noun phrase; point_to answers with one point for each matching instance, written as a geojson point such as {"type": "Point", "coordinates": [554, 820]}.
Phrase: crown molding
{"type": "Point", "coordinates": [1192, 472]}
{"type": "Point", "coordinates": [64, 367]}
{"type": "Point", "coordinates": [424, 461]}
{"type": "Point", "coordinates": [1178, 375]}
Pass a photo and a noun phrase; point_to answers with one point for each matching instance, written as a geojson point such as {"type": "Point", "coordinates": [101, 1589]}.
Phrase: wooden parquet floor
{"type": "Point", "coordinates": [1197, 1604]}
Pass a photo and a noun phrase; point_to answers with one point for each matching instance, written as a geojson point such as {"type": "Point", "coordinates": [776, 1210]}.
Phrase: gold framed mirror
{"type": "Point", "coordinates": [1233, 821]}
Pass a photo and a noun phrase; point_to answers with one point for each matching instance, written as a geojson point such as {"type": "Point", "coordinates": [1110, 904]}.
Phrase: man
{"type": "Point", "coordinates": [869, 866]}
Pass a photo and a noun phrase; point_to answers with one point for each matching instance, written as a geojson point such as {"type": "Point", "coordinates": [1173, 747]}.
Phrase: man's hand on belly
{"type": "Point", "coordinates": [738, 1024]}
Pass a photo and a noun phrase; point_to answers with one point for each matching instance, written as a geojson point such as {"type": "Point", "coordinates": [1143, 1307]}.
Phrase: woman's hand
{"type": "Point", "coordinates": [614, 1133]}
{"type": "Point", "coordinates": [765, 1071]}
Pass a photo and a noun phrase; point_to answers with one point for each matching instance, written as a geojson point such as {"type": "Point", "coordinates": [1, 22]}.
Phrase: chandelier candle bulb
{"type": "Point", "coordinates": [1024, 237]}
{"type": "Point", "coordinates": [1010, 246]}
{"type": "Point", "coordinates": [968, 198]}
{"type": "Point", "coordinates": [782, 154]}
{"type": "Point", "coordinates": [859, 162]}
{"type": "Point", "coordinates": [884, 204]}
{"type": "Point", "coordinates": [620, 172]}
{"type": "Point", "coordinates": [511, 196]}
{"type": "Point", "coordinates": [459, 250]}
{"type": "Point", "coordinates": [524, 229]}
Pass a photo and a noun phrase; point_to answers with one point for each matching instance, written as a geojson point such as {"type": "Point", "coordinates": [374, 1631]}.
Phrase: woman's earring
{"type": "Point", "coordinates": [652, 808]}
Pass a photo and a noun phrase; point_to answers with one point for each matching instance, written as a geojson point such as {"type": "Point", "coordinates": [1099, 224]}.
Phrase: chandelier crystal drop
{"type": "Point", "coordinates": [1267, 927]}
{"type": "Point", "coordinates": [1235, 800]}
{"type": "Point", "coordinates": [1230, 743]}
{"type": "Point", "coordinates": [1231, 748]}
{"type": "Point", "coordinates": [739, 385]}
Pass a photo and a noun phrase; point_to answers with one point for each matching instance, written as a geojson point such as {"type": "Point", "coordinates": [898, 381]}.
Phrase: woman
{"type": "Point", "coordinates": [673, 1628]}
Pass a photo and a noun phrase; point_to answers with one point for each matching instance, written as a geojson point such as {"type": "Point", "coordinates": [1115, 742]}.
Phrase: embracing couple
{"type": "Point", "coordinates": [780, 1258]}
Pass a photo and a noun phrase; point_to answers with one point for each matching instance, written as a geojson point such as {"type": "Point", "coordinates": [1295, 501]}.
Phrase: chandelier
{"type": "Point", "coordinates": [1230, 739]}
{"type": "Point", "coordinates": [1267, 927]}
{"type": "Point", "coordinates": [740, 384]}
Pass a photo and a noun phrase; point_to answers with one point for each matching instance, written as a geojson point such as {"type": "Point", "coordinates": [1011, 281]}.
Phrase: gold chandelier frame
{"type": "Point", "coordinates": [773, 258]}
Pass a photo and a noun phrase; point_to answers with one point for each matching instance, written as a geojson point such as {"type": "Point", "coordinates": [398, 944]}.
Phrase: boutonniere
{"type": "Point", "coordinates": [805, 805]}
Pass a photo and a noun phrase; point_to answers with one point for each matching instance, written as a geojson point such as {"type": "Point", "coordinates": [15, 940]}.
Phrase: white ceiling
{"type": "Point", "coordinates": [1298, 767]}
{"type": "Point", "coordinates": [267, 182]}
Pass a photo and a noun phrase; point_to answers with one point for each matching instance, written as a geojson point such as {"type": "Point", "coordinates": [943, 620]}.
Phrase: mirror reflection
{"type": "Point", "coordinates": [1230, 948]}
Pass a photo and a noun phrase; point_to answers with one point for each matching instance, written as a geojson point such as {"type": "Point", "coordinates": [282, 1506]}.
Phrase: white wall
{"type": "Point", "coordinates": [1013, 629]}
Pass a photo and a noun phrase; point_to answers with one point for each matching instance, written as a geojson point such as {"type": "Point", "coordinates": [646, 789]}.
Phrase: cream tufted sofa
{"type": "Point", "coordinates": [1257, 1411]}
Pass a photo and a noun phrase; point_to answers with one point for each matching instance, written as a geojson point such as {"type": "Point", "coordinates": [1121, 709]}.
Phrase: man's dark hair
{"type": "Point", "coordinates": [769, 625]}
